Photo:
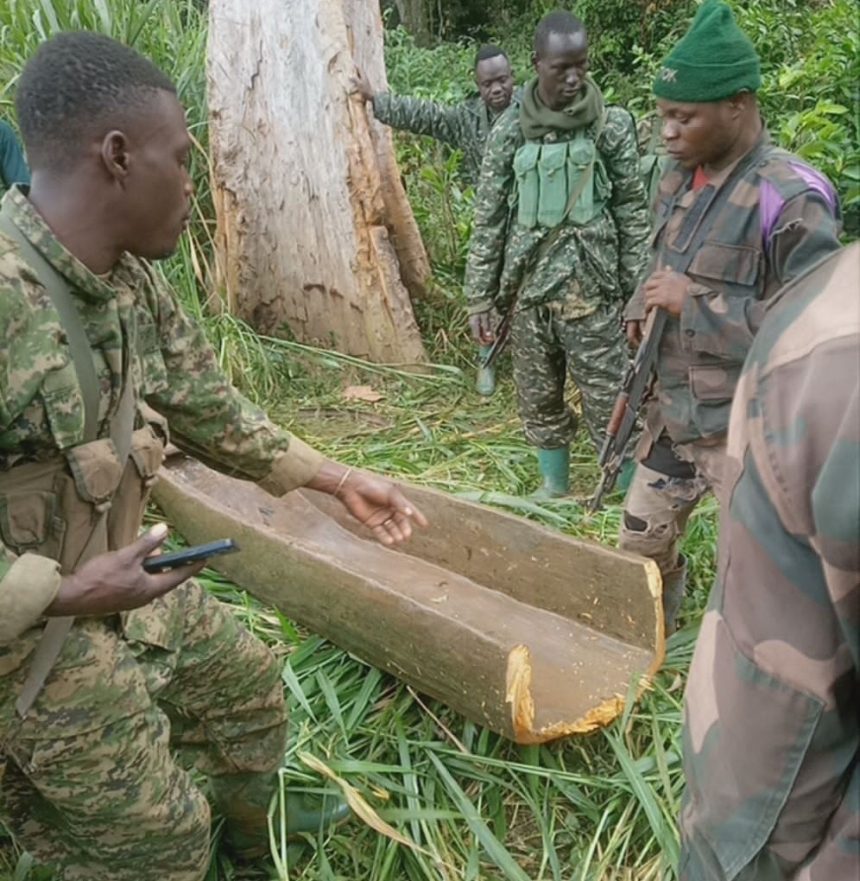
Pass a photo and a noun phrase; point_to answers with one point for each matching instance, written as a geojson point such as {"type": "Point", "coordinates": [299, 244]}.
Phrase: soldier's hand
{"type": "Point", "coordinates": [481, 326]}
{"type": "Point", "coordinates": [372, 500]}
{"type": "Point", "coordinates": [668, 290]}
{"type": "Point", "coordinates": [116, 581]}
{"type": "Point", "coordinates": [633, 331]}
{"type": "Point", "coordinates": [360, 85]}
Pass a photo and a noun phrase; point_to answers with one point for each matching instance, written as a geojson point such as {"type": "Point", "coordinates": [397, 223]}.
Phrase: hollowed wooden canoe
{"type": "Point", "coordinates": [520, 628]}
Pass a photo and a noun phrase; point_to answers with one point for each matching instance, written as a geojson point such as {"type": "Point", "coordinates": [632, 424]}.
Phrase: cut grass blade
{"type": "Point", "coordinates": [493, 848]}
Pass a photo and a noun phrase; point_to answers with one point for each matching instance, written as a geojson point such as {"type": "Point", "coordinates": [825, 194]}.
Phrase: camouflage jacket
{"type": "Point", "coordinates": [586, 265]}
{"type": "Point", "coordinates": [174, 370]}
{"type": "Point", "coordinates": [756, 227]}
{"type": "Point", "coordinates": [465, 126]}
{"type": "Point", "coordinates": [772, 729]}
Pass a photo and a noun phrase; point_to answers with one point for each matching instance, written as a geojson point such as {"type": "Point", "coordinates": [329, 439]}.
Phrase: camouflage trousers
{"type": "Point", "coordinates": [658, 506]}
{"type": "Point", "coordinates": [546, 347]}
{"type": "Point", "coordinates": [95, 778]}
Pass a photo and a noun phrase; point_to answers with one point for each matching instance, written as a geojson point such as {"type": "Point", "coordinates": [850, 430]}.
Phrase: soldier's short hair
{"type": "Point", "coordinates": [489, 50]}
{"type": "Point", "coordinates": [559, 22]}
{"type": "Point", "coordinates": [75, 83]}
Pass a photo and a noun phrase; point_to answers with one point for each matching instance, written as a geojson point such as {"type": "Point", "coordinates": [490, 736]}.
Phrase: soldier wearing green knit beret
{"type": "Point", "coordinates": [736, 218]}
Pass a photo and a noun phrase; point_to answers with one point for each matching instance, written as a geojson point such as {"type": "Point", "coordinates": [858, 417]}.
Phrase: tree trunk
{"type": "Point", "coordinates": [314, 228]}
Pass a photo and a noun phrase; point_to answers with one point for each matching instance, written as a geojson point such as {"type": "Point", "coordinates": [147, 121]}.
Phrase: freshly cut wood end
{"type": "Point", "coordinates": [655, 587]}
{"type": "Point", "coordinates": [519, 695]}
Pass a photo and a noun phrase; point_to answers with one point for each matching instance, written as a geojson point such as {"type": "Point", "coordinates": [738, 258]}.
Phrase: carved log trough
{"type": "Point", "coordinates": [529, 632]}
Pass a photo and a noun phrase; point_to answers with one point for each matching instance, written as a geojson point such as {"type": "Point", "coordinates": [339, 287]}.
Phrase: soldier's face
{"type": "Point", "coordinates": [157, 189]}
{"type": "Point", "coordinates": [699, 133]}
{"type": "Point", "coordinates": [561, 68]}
{"type": "Point", "coordinates": [495, 82]}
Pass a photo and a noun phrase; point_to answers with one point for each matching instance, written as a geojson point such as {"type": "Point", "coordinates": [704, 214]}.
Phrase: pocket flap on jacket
{"type": "Point", "coordinates": [526, 158]}
{"type": "Point", "coordinates": [96, 470]}
{"type": "Point", "coordinates": [731, 263]}
{"type": "Point", "coordinates": [147, 452]}
{"type": "Point", "coordinates": [553, 157]}
{"type": "Point", "coordinates": [714, 382]}
{"type": "Point", "coordinates": [26, 518]}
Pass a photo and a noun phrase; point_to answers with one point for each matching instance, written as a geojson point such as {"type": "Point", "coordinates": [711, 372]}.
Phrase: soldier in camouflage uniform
{"type": "Point", "coordinates": [151, 676]}
{"type": "Point", "coordinates": [736, 218]}
{"type": "Point", "coordinates": [772, 732]}
{"type": "Point", "coordinates": [561, 227]}
{"type": "Point", "coordinates": [465, 126]}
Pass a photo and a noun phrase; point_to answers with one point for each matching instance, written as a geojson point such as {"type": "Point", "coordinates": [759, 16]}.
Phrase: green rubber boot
{"type": "Point", "coordinates": [555, 470]}
{"type": "Point", "coordinates": [485, 384]}
{"type": "Point", "coordinates": [625, 475]}
{"type": "Point", "coordinates": [310, 814]}
{"type": "Point", "coordinates": [244, 801]}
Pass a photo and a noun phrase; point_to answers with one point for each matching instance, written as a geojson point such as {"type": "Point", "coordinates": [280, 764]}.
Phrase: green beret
{"type": "Point", "coordinates": [715, 59]}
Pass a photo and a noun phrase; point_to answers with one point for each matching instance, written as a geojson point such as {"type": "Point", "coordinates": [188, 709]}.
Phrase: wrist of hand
{"type": "Point", "coordinates": [331, 478]}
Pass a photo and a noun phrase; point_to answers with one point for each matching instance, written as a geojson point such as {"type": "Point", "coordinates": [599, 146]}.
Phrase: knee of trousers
{"type": "Point", "coordinates": [150, 843]}
{"type": "Point", "coordinates": [658, 543]}
{"type": "Point", "coordinates": [258, 728]}
{"type": "Point", "coordinates": [655, 535]}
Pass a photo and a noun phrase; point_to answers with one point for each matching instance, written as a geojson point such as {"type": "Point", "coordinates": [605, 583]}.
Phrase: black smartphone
{"type": "Point", "coordinates": [174, 560]}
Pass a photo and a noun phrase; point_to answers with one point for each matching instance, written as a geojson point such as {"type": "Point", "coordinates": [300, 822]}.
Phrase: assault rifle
{"type": "Point", "coordinates": [500, 338]}
{"type": "Point", "coordinates": [634, 388]}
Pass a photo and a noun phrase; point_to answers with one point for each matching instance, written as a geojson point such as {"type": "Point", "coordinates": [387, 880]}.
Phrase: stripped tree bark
{"type": "Point", "coordinates": [314, 228]}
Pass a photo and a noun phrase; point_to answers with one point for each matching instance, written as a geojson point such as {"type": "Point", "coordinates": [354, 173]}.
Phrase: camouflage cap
{"type": "Point", "coordinates": [715, 59]}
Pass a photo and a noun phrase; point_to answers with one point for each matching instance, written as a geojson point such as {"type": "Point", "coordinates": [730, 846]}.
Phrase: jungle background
{"type": "Point", "coordinates": [480, 808]}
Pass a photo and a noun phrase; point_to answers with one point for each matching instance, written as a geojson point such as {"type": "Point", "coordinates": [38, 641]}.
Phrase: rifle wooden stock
{"type": "Point", "coordinates": [617, 414]}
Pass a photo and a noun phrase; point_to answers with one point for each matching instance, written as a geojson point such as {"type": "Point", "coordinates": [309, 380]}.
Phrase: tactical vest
{"type": "Point", "coordinates": [719, 245]}
{"type": "Point", "coordinates": [547, 174]}
{"type": "Point", "coordinates": [90, 498]}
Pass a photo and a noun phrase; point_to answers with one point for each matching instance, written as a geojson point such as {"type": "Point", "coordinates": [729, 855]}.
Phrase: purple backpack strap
{"type": "Point", "coordinates": [771, 202]}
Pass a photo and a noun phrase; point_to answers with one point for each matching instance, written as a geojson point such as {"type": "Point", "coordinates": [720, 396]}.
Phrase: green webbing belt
{"type": "Point", "coordinates": [122, 425]}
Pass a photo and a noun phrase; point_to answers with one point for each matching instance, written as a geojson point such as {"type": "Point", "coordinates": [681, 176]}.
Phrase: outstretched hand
{"type": "Point", "coordinates": [379, 505]}
{"type": "Point", "coordinates": [374, 501]}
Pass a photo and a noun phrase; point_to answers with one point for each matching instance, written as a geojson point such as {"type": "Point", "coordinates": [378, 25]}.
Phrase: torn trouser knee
{"type": "Point", "coordinates": [656, 511]}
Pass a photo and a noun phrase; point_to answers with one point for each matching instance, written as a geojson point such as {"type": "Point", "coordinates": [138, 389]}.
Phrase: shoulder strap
{"type": "Point", "coordinates": [61, 297]}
